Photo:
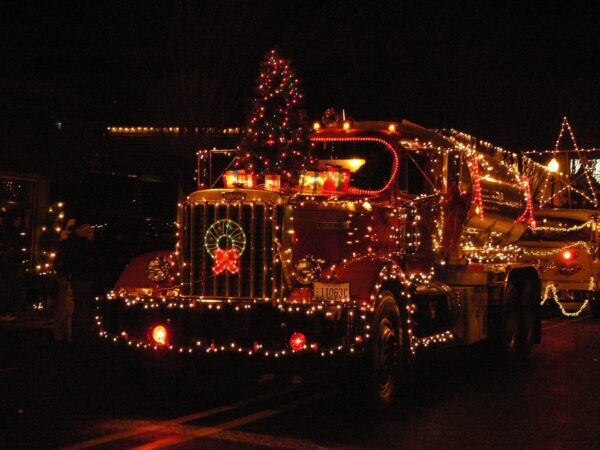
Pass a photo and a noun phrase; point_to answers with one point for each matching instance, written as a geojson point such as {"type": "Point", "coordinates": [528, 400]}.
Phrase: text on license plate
{"type": "Point", "coordinates": [328, 292]}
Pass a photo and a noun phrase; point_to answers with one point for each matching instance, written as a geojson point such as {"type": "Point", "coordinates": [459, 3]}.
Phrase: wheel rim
{"type": "Point", "coordinates": [387, 358]}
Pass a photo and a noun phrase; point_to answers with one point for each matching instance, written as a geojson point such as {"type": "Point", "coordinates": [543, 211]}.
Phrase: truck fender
{"type": "Point", "coordinates": [135, 273]}
{"type": "Point", "coordinates": [366, 275]}
{"type": "Point", "coordinates": [369, 277]}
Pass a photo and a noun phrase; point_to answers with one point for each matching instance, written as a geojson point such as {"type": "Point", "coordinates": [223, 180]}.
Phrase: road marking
{"type": "Point", "coordinates": [256, 440]}
{"type": "Point", "coordinates": [564, 324]}
{"type": "Point", "coordinates": [188, 418]}
{"type": "Point", "coordinates": [200, 432]}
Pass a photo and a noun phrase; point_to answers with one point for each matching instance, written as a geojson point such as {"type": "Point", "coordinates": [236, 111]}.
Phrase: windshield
{"type": "Point", "coordinates": [559, 229]}
{"type": "Point", "coordinates": [370, 164]}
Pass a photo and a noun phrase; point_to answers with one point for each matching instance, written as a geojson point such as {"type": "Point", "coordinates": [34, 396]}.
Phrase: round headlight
{"type": "Point", "coordinates": [307, 270]}
{"type": "Point", "coordinates": [158, 269]}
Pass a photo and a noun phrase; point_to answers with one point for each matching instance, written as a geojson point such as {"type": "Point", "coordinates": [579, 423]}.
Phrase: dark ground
{"type": "Point", "coordinates": [53, 397]}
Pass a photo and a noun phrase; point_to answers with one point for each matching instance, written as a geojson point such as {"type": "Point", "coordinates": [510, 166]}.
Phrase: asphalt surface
{"type": "Point", "coordinates": [97, 396]}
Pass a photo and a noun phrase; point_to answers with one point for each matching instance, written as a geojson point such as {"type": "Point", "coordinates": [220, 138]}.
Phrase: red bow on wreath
{"type": "Point", "coordinates": [226, 260]}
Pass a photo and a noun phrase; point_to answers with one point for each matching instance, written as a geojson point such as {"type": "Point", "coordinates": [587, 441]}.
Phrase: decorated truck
{"type": "Point", "coordinates": [398, 239]}
{"type": "Point", "coordinates": [564, 245]}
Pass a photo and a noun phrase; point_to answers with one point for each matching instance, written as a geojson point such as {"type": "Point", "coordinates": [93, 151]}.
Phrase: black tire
{"type": "Point", "coordinates": [519, 322]}
{"type": "Point", "coordinates": [386, 353]}
{"type": "Point", "coordinates": [595, 306]}
{"type": "Point", "coordinates": [528, 320]}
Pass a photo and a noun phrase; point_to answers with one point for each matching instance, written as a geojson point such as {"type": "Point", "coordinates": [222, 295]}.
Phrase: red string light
{"type": "Point", "coordinates": [388, 146]}
{"type": "Point", "coordinates": [476, 177]}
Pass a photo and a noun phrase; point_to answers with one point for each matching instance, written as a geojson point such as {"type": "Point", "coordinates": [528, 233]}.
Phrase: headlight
{"type": "Point", "coordinates": [158, 269]}
{"type": "Point", "coordinates": [307, 270]}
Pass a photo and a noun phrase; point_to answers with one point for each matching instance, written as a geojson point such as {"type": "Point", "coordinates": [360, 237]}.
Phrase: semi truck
{"type": "Point", "coordinates": [382, 250]}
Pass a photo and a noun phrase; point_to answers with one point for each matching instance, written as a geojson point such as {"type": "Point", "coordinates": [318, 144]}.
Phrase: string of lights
{"type": "Point", "coordinates": [587, 224]}
{"type": "Point", "coordinates": [552, 288]}
{"type": "Point", "coordinates": [556, 251]}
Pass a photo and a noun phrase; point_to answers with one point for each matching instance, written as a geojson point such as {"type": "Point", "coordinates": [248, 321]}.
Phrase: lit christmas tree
{"type": "Point", "coordinates": [276, 132]}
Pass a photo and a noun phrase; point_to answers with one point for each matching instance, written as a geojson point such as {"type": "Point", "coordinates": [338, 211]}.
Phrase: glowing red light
{"type": "Point", "coordinates": [159, 335]}
{"type": "Point", "coordinates": [298, 342]}
{"type": "Point", "coordinates": [567, 255]}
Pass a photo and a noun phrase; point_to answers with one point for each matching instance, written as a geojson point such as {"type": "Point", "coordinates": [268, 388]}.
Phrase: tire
{"type": "Point", "coordinates": [519, 322]}
{"type": "Point", "coordinates": [595, 306]}
{"type": "Point", "coordinates": [385, 352]}
{"type": "Point", "coordinates": [528, 321]}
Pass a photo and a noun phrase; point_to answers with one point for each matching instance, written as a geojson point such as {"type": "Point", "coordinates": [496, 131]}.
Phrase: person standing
{"type": "Point", "coordinates": [74, 268]}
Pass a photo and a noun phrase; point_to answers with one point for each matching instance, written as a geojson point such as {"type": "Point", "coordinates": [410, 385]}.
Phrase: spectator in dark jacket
{"type": "Point", "coordinates": [74, 268]}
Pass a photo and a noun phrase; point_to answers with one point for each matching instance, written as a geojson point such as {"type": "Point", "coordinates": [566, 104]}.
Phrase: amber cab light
{"type": "Point", "coordinates": [298, 342]}
{"type": "Point", "coordinates": [159, 335]}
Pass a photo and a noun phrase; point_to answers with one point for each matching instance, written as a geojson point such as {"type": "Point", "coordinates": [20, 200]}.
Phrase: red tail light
{"type": "Point", "coordinates": [160, 335]}
{"type": "Point", "coordinates": [298, 342]}
{"type": "Point", "coordinates": [568, 255]}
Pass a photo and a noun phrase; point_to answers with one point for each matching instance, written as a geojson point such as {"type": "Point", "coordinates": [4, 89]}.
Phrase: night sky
{"type": "Point", "coordinates": [506, 73]}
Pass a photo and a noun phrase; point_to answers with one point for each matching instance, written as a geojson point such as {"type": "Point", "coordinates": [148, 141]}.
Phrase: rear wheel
{"type": "Point", "coordinates": [385, 352]}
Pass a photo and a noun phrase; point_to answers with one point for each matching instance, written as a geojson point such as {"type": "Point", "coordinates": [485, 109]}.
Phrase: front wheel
{"type": "Point", "coordinates": [385, 352]}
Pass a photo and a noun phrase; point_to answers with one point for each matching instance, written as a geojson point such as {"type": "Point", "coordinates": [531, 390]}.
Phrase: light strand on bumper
{"type": "Point", "coordinates": [552, 288]}
{"type": "Point", "coordinates": [209, 347]}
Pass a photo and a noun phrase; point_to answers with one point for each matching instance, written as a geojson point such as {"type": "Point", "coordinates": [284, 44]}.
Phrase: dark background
{"type": "Point", "coordinates": [506, 72]}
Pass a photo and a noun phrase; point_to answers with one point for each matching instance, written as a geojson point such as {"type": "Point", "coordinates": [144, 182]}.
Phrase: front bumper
{"type": "Point", "coordinates": [252, 328]}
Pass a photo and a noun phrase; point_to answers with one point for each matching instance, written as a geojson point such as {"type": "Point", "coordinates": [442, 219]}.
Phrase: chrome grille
{"type": "Point", "coordinates": [260, 274]}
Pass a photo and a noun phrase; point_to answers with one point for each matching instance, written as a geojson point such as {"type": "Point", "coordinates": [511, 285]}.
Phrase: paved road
{"type": "Point", "coordinates": [82, 398]}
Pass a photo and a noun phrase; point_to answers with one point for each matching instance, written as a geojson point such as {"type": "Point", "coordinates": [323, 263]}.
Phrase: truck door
{"type": "Point", "coordinates": [421, 182]}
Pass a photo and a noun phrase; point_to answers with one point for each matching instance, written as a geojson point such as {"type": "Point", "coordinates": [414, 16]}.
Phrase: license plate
{"type": "Point", "coordinates": [331, 292]}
